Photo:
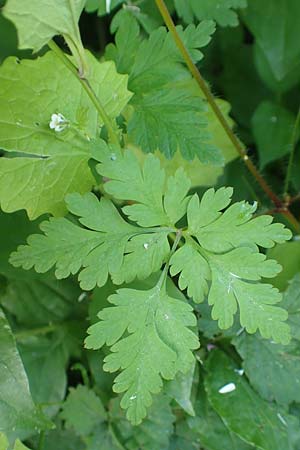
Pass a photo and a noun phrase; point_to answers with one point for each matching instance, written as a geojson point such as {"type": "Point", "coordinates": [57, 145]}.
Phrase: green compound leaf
{"type": "Point", "coordinates": [167, 112]}
{"type": "Point", "coordinates": [106, 237]}
{"type": "Point", "coordinates": [158, 202]}
{"type": "Point", "coordinates": [49, 164]}
{"type": "Point", "coordinates": [18, 414]}
{"type": "Point", "coordinates": [220, 11]}
{"type": "Point", "coordinates": [158, 344]}
{"type": "Point", "coordinates": [82, 410]}
{"type": "Point", "coordinates": [37, 21]}
{"type": "Point", "coordinates": [227, 256]}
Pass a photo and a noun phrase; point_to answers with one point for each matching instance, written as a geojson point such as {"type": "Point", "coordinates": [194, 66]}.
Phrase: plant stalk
{"type": "Point", "coordinates": [292, 154]}
{"type": "Point", "coordinates": [89, 90]}
{"type": "Point", "coordinates": [222, 119]}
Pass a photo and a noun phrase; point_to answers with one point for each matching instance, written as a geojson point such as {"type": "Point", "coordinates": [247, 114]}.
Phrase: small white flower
{"type": "Point", "coordinates": [227, 388]}
{"type": "Point", "coordinates": [58, 122]}
{"type": "Point", "coordinates": [108, 3]}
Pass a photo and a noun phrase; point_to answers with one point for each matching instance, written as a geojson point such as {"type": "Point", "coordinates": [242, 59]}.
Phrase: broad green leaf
{"type": "Point", "coordinates": [42, 356]}
{"type": "Point", "coordinates": [18, 414]}
{"type": "Point", "coordinates": [288, 255]}
{"type": "Point", "coordinates": [211, 430]}
{"type": "Point", "coordinates": [153, 433]}
{"type": "Point", "coordinates": [37, 21]}
{"type": "Point", "coordinates": [277, 141]}
{"type": "Point", "coordinates": [82, 410]}
{"type": "Point", "coordinates": [223, 12]}
{"type": "Point", "coordinates": [273, 370]}
{"type": "Point", "coordinates": [46, 164]}
{"type": "Point", "coordinates": [103, 438]}
{"type": "Point", "coordinates": [158, 344]}
{"type": "Point", "coordinates": [40, 301]}
{"type": "Point", "coordinates": [61, 439]}
{"type": "Point", "coordinates": [291, 301]}
{"type": "Point", "coordinates": [14, 228]}
{"type": "Point", "coordinates": [160, 84]}
{"type": "Point", "coordinates": [105, 237]}
{"type": "Point", "coordinates": [20, 446]}
{"type": "Point", "coordinates": [281, 49]}
{"type": "Point", "coordinates": [254, 420]}
{"type": "Point", "coordinates": [4, 444]}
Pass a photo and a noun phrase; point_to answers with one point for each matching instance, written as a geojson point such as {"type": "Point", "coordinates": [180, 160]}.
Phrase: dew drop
{"type": "Point", "coordinates": [230, 387]}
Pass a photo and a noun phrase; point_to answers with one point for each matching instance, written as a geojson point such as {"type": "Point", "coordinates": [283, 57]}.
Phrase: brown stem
{"type": "Point", "coordinates": [222, 119]}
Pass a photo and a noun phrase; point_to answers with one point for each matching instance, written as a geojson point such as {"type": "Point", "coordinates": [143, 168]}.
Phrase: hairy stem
{"type": "Point", "coordinates": [222, 119]}
{"type": "Point", "coordinates": [19, 335]}
{"type": "Point", "coordinates": [89, 90]}
{"type": "Point", "coordinates": [292, 154]}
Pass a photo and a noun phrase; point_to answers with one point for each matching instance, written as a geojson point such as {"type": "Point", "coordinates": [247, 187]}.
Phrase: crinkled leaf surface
{"type": "Point", "coordinates": [18, 414]}
{"type": "Point", "coordinates": [105, 238]}
{"type": "Point", "coordinates": [46, 165]}
{"type": "Point", "coordinates": [37, 21]}
{"type": "Point", "coordinates": [154, 432]}
{"type": "Point", "coordinates": [158, 344]}
{"type": "Point", "coordinates": [272, 369]}
{"type": "Point", "coordinates": [291, 301]}
{"type": "Point", "coordinates": [167, 114]}
{"type": "Point", "coordinates": [223, 12]}
{"type": "Point", "coordinates": [83, 410]}
{"type": "Point", "coordinates": [259, 422]}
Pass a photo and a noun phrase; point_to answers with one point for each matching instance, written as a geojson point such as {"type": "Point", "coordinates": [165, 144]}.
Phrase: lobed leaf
{"type": "Point", "coordinates": [82, 410]}
{"type": "Point", "coordinates": [158, 344]}
{"type": "Point", "coordinates": [223, 12]}
{"type": "Point", "coordinates": [168, 113]}
{"type": "Point", "coordinates": [106, 237]}
{"type": "Point", "coordinates": [37, 21]}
